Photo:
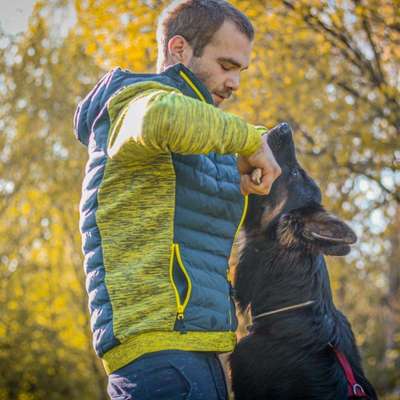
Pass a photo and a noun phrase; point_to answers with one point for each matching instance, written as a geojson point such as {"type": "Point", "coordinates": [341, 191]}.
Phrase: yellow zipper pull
{"type": "Point", "coordinates": [180, 323]}
{"type": "Point", "coordinates": [180, 312]}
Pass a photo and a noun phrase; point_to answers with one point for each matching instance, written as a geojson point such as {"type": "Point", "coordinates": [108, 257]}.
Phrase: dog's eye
{"type": "Point", "coordinates": [295, 172]}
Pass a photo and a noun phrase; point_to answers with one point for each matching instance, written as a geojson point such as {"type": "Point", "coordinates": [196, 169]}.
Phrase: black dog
{"type": "Point", "coordinates": [299, 346]}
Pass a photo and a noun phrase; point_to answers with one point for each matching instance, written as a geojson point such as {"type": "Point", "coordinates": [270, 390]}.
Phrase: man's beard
{"type": "Point", "coordinates": [206, 78]}
{"type": "Point", "coordinates": [195, 66]}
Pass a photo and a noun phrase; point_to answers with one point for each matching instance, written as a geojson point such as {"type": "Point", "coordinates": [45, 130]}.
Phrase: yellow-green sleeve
{"type": "Point", "coordinates": [150, 118]}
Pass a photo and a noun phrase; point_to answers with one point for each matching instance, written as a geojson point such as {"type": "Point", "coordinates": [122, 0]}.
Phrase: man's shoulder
{"type": "Point", "coordinates": [126, 85]}
{"type": "Point", "coordinates": [123, 78]}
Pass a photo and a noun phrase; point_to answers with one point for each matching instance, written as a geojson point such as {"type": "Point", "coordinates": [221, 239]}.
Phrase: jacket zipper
{"type": "Point", "coordinates": [181, 306]}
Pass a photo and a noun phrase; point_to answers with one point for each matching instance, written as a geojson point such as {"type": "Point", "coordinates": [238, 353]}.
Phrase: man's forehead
{"type": "Point", "coordinates": [232, 45]}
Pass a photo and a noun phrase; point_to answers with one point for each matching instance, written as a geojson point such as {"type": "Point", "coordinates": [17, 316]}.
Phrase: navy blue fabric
{"type": "Point", "coordinates": [208, 210]}
{"type": "Point", "coordinates": [207, 213]}
{"type": "Point", "coordinates": [170, 375]}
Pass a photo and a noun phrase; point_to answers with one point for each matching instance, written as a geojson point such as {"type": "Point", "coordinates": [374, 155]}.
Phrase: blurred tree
{"type": "Point", "coordinates": [45, 345]}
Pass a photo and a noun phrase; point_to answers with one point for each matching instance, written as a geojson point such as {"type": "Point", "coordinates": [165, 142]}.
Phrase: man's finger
{"type": "Point", "coordinates": [256, 176]}
{"type": "Point", "coordinates": [268, 176]}
{"type": "Point", "coordinates": [247, 186]}
{"type": "Point", "coordinates": [266, 183]}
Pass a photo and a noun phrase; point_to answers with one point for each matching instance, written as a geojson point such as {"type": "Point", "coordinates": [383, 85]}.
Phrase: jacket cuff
{"type": "Point", "coordinates": [254, 141]}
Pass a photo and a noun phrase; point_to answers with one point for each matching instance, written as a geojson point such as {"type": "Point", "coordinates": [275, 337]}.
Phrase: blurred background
{"type": "Point", "coordinates": [330, 68]}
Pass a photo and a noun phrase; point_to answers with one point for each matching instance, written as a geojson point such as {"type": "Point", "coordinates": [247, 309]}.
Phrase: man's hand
{"type": "Point", "coordinates": [264, 161]}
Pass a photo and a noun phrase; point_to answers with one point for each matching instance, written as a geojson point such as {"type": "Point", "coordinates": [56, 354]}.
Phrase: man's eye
{"type": "Point", "coordinates": [225, 68]}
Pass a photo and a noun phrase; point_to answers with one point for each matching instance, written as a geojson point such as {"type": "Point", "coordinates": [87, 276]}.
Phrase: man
{"type": "Point", "coordinates": [162, 204]}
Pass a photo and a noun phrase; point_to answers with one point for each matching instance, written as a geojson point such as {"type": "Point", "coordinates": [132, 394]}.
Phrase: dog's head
{"type": "Point", "coordinates": [292, 211]}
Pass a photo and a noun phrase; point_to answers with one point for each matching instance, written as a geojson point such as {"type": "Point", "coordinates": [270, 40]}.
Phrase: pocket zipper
{"type": "Point", "coordinates": [181, 306]}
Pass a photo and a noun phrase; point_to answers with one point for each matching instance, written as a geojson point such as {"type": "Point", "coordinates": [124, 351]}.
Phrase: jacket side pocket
{"type": "Point", "coordinates": [181, 283]}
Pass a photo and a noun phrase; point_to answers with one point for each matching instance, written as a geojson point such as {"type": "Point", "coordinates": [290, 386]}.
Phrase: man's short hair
{"type": "Point", "coordinates": [197, 21]}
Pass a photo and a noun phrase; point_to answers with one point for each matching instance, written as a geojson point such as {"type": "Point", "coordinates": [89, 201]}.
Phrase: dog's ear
{"type": "Point", "coordinates": [316, 229]}
{"type": "Point", "coordinates": [328, 233]}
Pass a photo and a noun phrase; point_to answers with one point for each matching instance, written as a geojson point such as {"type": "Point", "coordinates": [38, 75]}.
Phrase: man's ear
{"type": "Point", "coordinates": [179, 50]}
{"type": "Point", "coordinates": [316, 229]}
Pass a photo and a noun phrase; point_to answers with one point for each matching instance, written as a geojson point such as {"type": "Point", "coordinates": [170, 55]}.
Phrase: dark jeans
{"type": "Point", "coordinates": [170, 375]}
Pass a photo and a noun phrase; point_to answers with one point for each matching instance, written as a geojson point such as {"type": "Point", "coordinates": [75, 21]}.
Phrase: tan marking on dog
{"type": "Point", "coordinates": [286, 234]}
{"type": "Point", "coordinates": [268, 215]}
{"type": "Point", "coordinates": [237, 248]}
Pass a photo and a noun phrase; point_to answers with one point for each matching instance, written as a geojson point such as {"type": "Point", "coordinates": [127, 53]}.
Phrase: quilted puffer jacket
{"type": "Point", "coordinates": [159, 212]}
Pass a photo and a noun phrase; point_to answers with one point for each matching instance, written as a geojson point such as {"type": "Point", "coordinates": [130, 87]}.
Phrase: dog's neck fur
{"type": "Point", "coordinates": [270, 277]}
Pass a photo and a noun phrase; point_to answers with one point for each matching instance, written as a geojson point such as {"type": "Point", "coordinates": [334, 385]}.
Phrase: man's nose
{"type": "Point", "coordinates": [233, 82]}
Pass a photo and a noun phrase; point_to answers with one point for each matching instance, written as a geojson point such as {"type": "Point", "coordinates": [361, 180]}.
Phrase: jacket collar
{"type": "Point", "coordinates": [188, 83]}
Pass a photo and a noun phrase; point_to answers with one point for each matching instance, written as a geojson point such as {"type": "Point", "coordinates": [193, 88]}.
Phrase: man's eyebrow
{"type": "Point", "coordinates": [232, 61]}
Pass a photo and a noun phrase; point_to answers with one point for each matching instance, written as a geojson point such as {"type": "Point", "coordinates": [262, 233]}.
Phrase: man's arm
{"type": "Point", "coordinates": [155, 119]}
{"type": "Point", "coordinates": [149, 118]}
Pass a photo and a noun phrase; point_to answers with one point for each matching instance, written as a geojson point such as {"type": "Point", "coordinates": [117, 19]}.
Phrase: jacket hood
{"type": "Point", "coordinates": [90, 107]}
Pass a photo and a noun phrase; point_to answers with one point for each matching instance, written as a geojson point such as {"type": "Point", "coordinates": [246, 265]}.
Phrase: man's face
{"type": "Point", "coordinates": [222, 61]}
